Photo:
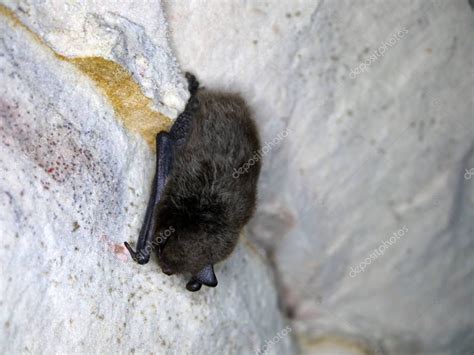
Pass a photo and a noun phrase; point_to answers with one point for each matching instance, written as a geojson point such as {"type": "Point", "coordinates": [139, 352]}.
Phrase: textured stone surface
{"type": "Point", "coordinates": [130, 33]}
{"type": "Point", "coordinates": [370, 154]}
{"type": "Point", "coordinates": [73, 186]}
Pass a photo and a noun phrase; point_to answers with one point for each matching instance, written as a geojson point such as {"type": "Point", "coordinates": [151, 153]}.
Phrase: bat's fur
{"type": "Point", "coordinates": [203, 201]}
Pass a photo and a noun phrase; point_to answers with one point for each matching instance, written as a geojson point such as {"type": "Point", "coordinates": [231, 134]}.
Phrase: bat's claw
{"type": "Point", "coordinates": [138, 257]}
{"type": "Point", "coordinates": [193, 84]}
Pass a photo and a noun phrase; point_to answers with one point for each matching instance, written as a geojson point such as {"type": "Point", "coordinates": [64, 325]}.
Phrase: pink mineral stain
{"type": "Point", "coordinates": [117, 250]}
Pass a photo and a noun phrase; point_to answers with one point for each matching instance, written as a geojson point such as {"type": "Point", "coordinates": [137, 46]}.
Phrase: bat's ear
{"type": "Point", "coordinates": [206, 276]}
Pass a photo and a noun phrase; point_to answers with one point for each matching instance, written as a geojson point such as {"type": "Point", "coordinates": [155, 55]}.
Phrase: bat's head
{"type": "Point", "coordinates": [192, 246]}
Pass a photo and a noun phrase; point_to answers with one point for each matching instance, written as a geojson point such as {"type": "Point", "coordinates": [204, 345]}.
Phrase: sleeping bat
{"type": "Point", "coordinates": [198, 203]}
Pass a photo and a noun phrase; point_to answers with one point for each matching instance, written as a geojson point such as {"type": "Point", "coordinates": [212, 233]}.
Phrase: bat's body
{"type": "Point", "coordinates": [196, 193]}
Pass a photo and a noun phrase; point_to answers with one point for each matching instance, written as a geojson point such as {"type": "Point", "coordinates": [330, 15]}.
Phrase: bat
{"type": "Point", "coordinates": [201, 197]}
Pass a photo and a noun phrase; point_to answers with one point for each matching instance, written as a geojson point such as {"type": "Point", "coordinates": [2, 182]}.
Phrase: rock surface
{"type": "Point", "coordinates": [130, 33]}
{"type": "Point", "coordinates": [378, 100]}
{"type": "Point", "coordinates": [76, 170]}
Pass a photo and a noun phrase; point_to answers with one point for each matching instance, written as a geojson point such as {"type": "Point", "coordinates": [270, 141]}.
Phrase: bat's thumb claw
{"type": "Point", "coordinates": [137, 257]}
{"type": "Point", "coordinates": [130, 250]}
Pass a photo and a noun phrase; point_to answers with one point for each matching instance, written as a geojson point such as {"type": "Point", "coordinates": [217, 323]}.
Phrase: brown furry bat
{"type": "Point", "coordinates": [196, 191]}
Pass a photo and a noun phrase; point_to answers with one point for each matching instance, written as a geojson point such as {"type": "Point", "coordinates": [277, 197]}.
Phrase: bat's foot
{"type": "Point", "coordinates": [204, 277]}
{"type": "Point", "coordinates": [193, 84]}
{"type": "Point", "coordinates": [140, 258]}
{"type": "Point", "coordinates": [193, 285]}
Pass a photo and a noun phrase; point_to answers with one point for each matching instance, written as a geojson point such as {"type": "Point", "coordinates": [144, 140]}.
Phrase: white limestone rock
{"type": "Point", "coordinates": [368, 154]}
{"type": "Point", "coordinates": [131, 33]}
{"type": "Point", "coordinates": [73, 187]}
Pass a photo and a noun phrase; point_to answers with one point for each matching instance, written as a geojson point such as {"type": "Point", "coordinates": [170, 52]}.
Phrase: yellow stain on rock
{"type": "Point", "coordinates": [134, 108]}
{"type": "Point", "coordinates": [334, 345]}
{"type": "Point", "coordinates": [124, 94]}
